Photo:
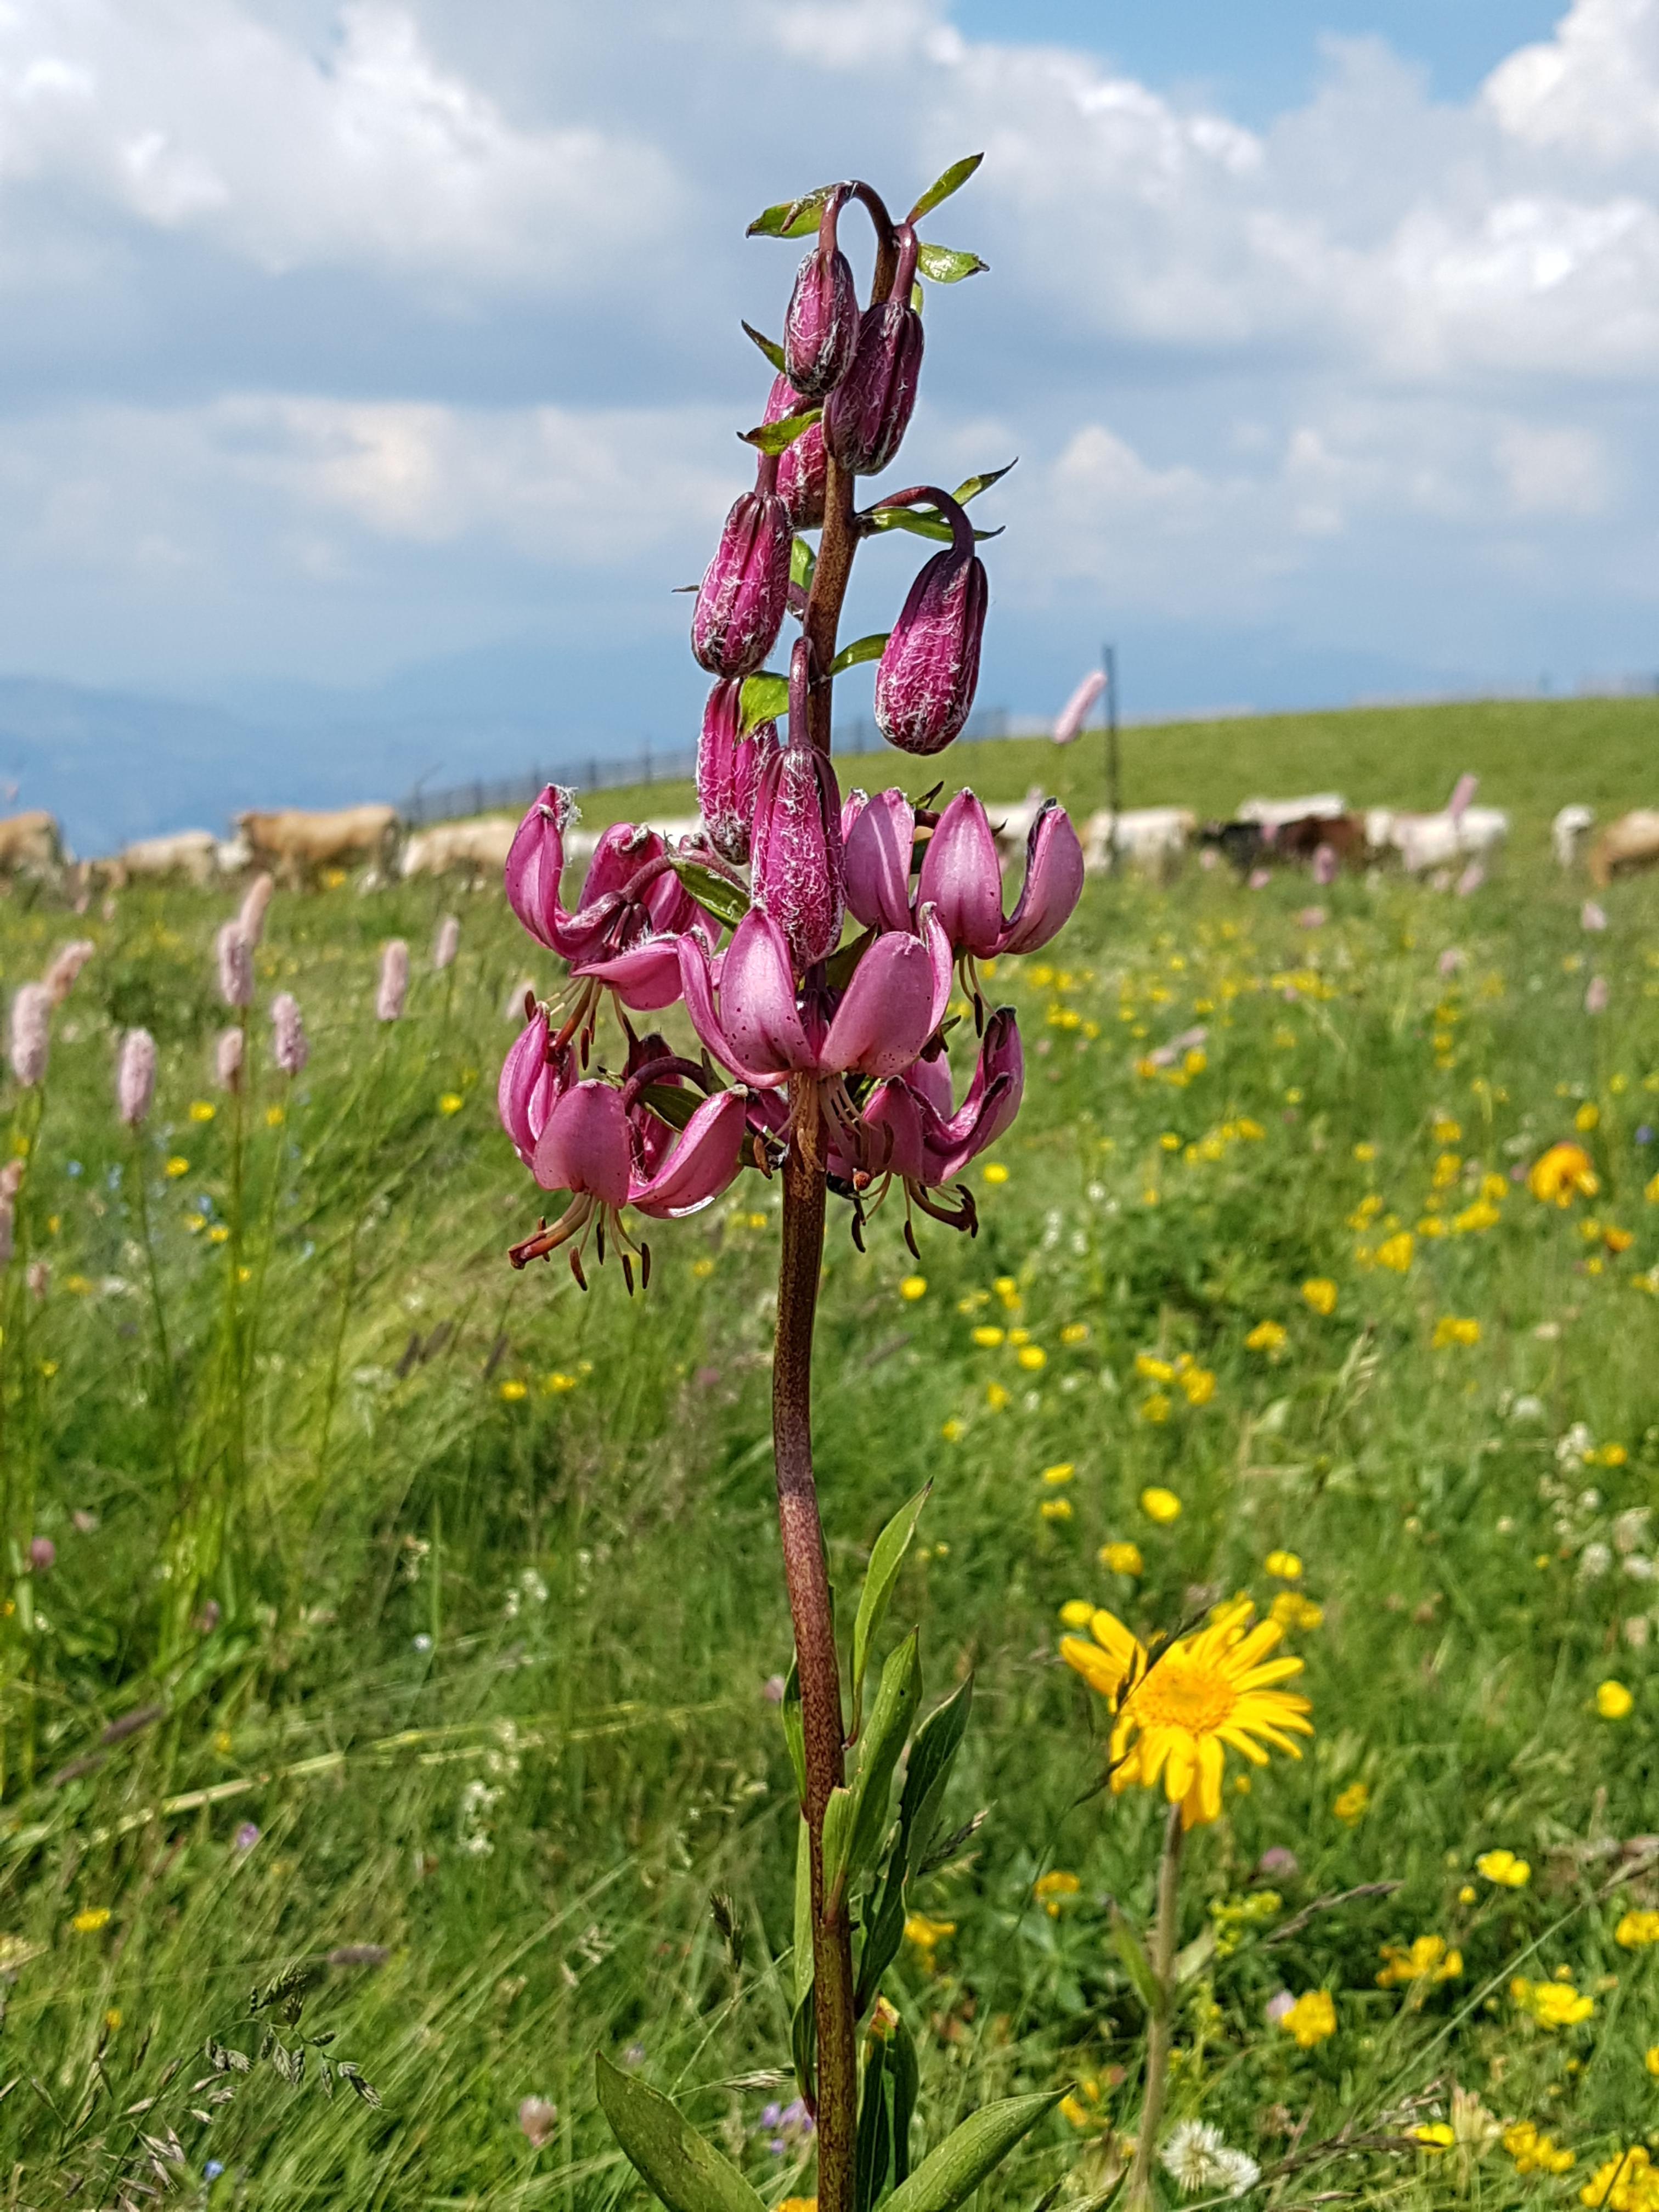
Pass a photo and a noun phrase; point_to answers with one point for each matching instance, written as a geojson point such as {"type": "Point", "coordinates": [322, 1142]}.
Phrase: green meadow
{"type": "Point", "coordinates": [389, 1698]}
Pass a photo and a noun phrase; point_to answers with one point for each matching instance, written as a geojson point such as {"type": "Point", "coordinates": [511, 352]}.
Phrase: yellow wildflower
{"type": "Point", "coordinates": [1637, 1929]}
{"type": "Point", "coordinates": [1628, 2182]}
{"type": "Point", "coordinates": [1552, 2004]}
{"type": "Point", "coordinates": [1198, 1384]}
{"type": "Point", "coordinates": [175, 1168]}
{"type": "Point", "coordinates": [1454, 1328]}
{"type": "Point", "coordinates": [1561, 1174]}
{"type": "Point", "coordinates": [1352, 1804]}
{"type": "Point", "coordinates": [89, 1922]}
{"type": "Point", "coordinates": [202, 1110]}
{"type": "Point", "coordinates": [996, 1173]}
{"type": "Point", "coordinates": [913, 1287]}
{"type": "Point", "coordinates": [1613, 1700]}
{"type": "Point", "coordinates": [1434, 2135]}
{"type": "Point", "coordinates": [1032, 1357]}
{"type": "Point", "coordinates": [1076, 1613]}
{"type": "Point", "coordinates": [1285, 1566]}
{"type": "Point", "coordinates": [514, 1390]}
{"type": "Point", "coordinates": [451, 1102]}
{"type": "Point", "coordinates": [1291, 1610]}
{"type": "Point", "coordinates": [1151, 1370]}
{"type": "Point", "coordinates": [1075, 1332]}
{"type": "Point", "coordinates": [1266, 1336]}
{"type": "Point", "coordinates": [1320, 1293]}
{"type": "Point", "coordinates": [1310, 2019]}
{"type": "Point", "coordinates": [1156, 1409]}
{"type": "Point", "coordinates": [1062, 1471]}
{"type": "Point", "coordinates": [1396, 1251]}
{"type": "Point", "coordinates": [1534, 2152]}
{"type": "Point", "coordinates": [987, 1336]}
{"type": "Point", "coordinates": [1503, 1867]}
{"type": "Point", "coordinates": [997, 1398]}
{"type": "Point", "coordinates": [1051, 1887]}
{"type": "Point", "coordinates": [1160, 1505]}
{"type": "Point", "coordinates": [1429, 1959]}
{"type": "Point", "coordinates": [1122, 1558]}
{"type": "Point", "coordinates": [1587, 1117]}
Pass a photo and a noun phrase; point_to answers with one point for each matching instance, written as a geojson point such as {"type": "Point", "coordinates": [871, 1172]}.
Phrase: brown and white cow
{"type": "Point", "coordinates": [479, 846]}
{"type": "Point", "coordinates": [30, 844]}
{"type": "Point", "coordinates": [293, 842]}
{"type": "Point", "coordinates": [1629, 843]}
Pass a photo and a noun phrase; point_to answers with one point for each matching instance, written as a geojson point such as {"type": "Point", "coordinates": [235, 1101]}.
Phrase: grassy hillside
{"type": "Point", "coordinates": [412, 1622]}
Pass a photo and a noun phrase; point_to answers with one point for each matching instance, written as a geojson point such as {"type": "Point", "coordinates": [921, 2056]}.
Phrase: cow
{"type": "Point", "coordinates": [292, 842]}
{"type": "Point", "coordinates": [1011, 824]}
{"type": "Point", "coordinates": [1252, 844]}
{"type": "Point", "coordinates": [478, 847]}
{"type": "Point", "coordinates": [31, 844]}
{"type": "Point", "coordinates": [1274, 814]}
{"type": "Point", "coordinates": [191, 853]}
{"type": "Point", "coordinates": [1432, 841]}
{"type": "Point", "coordinates": [1152, 837]}
{"type": "Point", "coordinates": [1571, 824]}
{"type": "Point", "coordinates": [1631, 843]}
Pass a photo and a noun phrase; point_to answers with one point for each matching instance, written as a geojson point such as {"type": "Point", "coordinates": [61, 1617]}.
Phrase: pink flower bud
{"type": "Point", "coordinates": [235, 957]}
{"type": "Point", "coordinates": [803, 475]}
{"type": "Point", "coordinates": [929, 667]}
{"type": "Point", "coordinates": [820, 328]}
{"type": "Point", "coordinates": [60, 977]}
{"type": "Point", "coordinates": [288, 1034]}
{"type": "Point", "coordinates": [797, 867]}
{"type": "Point", "coordinates": [135, 1077]}
{"type": "Point", "coordinates": [250, 920]}
{"type": "Point", "coordinates": [1068, 723]}
{"type": "Point", "coordinates": [744, 591]}
{"type": "Point", "coordinates": [43, 1555]}
{"type": "Point", "coordinates": [878, 848]}
{"type": "Point", "coordinates": [728, 769]}
{"type": "Point", "coordinates": [394, 982]}
{"type": "Point", "coordinates": [227, 1059]}
{"type": "Point", "coordinates": [30, 1034]}
{"type": "Point", "coordinates": [449, 944]}
{"type": "Point", "coordinates": [868, 412]}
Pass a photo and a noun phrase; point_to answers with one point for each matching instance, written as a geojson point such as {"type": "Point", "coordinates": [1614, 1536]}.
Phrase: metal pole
{"type": "Point", "coordinates": [1114, 793]}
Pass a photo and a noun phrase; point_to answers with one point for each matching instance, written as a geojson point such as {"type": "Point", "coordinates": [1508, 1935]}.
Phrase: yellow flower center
{"type": "Point", "coordinates": [1181, 1692]}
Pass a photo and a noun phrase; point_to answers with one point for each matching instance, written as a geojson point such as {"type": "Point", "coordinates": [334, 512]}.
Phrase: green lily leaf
{"type": "Point", "coordinates": [777, 437]}
{"type": "Point", "coordinates": [932, 1757]}
{"type": "Point", "coordinates": [886, 1558]}
{"type": "Point", "coordinates": [890, 1725]}
{"type": "Point", "coordinates": [951, 2173]}
{"type": "Point", "coordinates": [861, 649]}
{"type": "Point", "coordinates": [683, 2172]}
{"type": "Point", "coordinates": [942, 188]}
{"type": "Point", "coordinates": [715, 894]}
{"type": "Point", "coordinates": [803, 564]}
{"type": "Point", "coordinates": [837, 1842]}
{"type": "Point", "coordinates": [945, 264]}
{"type": "Point", "coordinates": [971, 487]}
{"type": "Point", "coordinates": [765, 697]}
{"type": "Point", "coordinates": [794, 1734]}
{"type": "Point", "coordinates": [770, 347]}
{"type": "Point", "coordinates": [925, 523]}
{"type": "Point", "coordinates": [791, 218]}
{"type": "Point", "coordinates": [1133, 1952]}
{"type": "Point", "coordinates": [803, 1911]}
{"type": "Point", "coordinates": [673, 1101]}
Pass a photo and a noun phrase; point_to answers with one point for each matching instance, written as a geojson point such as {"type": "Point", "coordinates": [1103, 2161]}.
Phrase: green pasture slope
{"type": "Point", "coordinates": [444, 1601]}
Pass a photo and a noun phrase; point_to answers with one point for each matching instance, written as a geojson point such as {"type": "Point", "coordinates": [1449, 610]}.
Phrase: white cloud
{"type": "Point", "coordinates": [1560, 471]}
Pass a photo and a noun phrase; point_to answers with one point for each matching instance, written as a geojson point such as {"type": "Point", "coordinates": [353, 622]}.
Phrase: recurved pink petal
{"type": "Point", "coordinates": [944, 966]}
{"type": "Point", "coordinates": [701, 976]}
{"type": "Point", "coordinates": [535, 861]}
{"type": "Point", "coordinates": [758, 1013]}
{"type": "Point", "coordinates": [886, 1015]}
{"type": "Point", "coordinates": [894, 1117]}
{"type": "Point", "coordinates": [1053, 885]}
{"type": "Point", "coordinates": [527, 1089]}
{"type": "Point", "coordinates": [701, 1163]}
{"type": "Point", "coordinates": [647, 977]}
{"type": "Point", "coordinates": [990, 1107]}
{"type": "Point", "coordinates": [962, 877]}
{"type": "Point", "coordinates": [585, 1146]}
{"type": "Point", "coordinates": [878, 861]}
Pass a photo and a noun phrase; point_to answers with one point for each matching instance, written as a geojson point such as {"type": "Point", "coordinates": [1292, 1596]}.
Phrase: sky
{"type": "Point", "coordinates": [393, 348]}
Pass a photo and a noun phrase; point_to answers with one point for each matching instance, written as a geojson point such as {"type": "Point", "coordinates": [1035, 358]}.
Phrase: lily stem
{"type": "Point", "coordinates": [1160, 2029]}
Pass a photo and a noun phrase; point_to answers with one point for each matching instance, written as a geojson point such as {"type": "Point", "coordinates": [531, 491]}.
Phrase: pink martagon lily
{"type": "Point", "coordinates": [625, 930]}
{"type": "Point", "coordinates": [529, 1085]}
{"type": "Point", "coordinates": [962, 879]}
{"type": "Point", "coordinates": [931, 1140]}
{"type": "Point", "coordinates": [756, 1025]}
{"type": "Point", "coordinates": [878, 838]}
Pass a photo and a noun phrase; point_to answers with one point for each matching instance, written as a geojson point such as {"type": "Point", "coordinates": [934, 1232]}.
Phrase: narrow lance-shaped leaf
{"type": "Point", "coordinates": [1192, 1958]}
{"type": "Point", "coordinates": [777, 437]}
{"type": "Point", "coordinates": [948, 265]}
{"type": "Point", "coordinates": [794, 1731]}
{"type": "Point", "coordinates": [1132, 1952]}
{"type": "Point", "coordinates": [873, 2152]}
{"type": "Point", "coordinates": [803, 564]}
{"type": "Point", "coordinates": [765, 697]}
{"type": "Point", "coordinates": [883, 1919]}
{"type": "Point", "coordinates": [971, 487]}
{"type": "Point", "coordinates": [803, 1911]}
{"type": "Point", "coordinates": [669, 2156]}
{"type": "Point", "coordinates": [951, 2173]}
{"type": "Point", "coordinates": [837, 1842]}
{"type": "Point", "coordinates": [942, 188]}
{"type": "Point", "coordinates": [886, 1558]}
{"type": "Point", "coordinates": [890, 1725]}
{"type": "Point", "coordinates": [791, 218]}
{"type": "Point", "coordinates": [907, 2081]}
{"type": "Point", "coordinates": [861, 649]}
{"type": "Point", "coordinates": [770, 347]}
{"type": "Point", "coordinates": [715, 894]}
{"type": "Point", "coordinates": [932, 1757]}
{"type": "Point", "coordinates": [921, 524]}
{"type": "Point", "coordinates": [804, 2046]}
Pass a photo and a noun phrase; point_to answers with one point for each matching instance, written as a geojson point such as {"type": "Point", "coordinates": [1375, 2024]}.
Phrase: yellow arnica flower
{"type": "Point", "coordinates": [1562, 1174]}
{"type": "Point", "coordinates": [1429, 1959]}
{"type": "Point", "coordinates": [1310, 2019]}
{"type": "Point", "coordinates": [1504, 1868]}
{"type": "Point", "coordinates": [1629, 2182]}
{"type": "Point", "coordinates": [1178, 1713]}
{"type": "Point", "coordinates": [1160, 1505]}
{"type": "Point", "coordinates": [1637, 1929]}
{"type": "Point", "coordinates": [1552, 2004]}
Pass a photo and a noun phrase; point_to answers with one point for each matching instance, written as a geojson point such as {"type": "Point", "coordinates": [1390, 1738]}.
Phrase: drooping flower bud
{"type": "Point", "coordinates": [235, 957]}
{"type": "Point", "coordinates": [449, 944]}
{"type": "Point", "coordinates": [30, 1034]}
{"type": "Point", "coordinates": [728, 769]}
{"type": "Point", "coordinates": [867, 414]}
{"type": "Point", "coordinates": [803, 465]}
{"type": "Point", "coordinates": [878, 848]}
{"type": "Point", "coordinates": [821, 329]}
{"type": "Point", "coordinates": [745, 588]}
{"type": "Point", "coordinates": [288, 1046]}
{"type": "Point", "coordinates": [530, 1086]}
{"type": "Point", "coordinates": [394, 982]}
{"type": "Point", "coordinates": [798, 870]}
{"type": "Point", "coordinates": [135, 1077]}
{"type": "Point", "coordinates": [60, 977]}
{"type": "Point", "coordinates": [251, 919]}
{"type": "Point", "coordinates": [227, 1059]}
{"type": "Point", "coordinates": [929, 667]}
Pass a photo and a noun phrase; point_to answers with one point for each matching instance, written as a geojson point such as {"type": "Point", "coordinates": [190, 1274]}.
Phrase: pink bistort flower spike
{"type": "Point", "coordinates": [879, 842]}
{"type": "Point", "coordinates": [227, 1059]}
{"type": "Point", "coordinates": [1068, 723]}
{"type": "Point", "coordinates": [929, 667]}
{"type": "Point", "coordinates": [446, 945]}
{"type": "Point", "coordinates": [288, 1045]}
{"type": "Point", "coordinates": [256, 900]}
{"type": "Point", "coordinates": [30, 1034]}
{"type": "Point", "coordinates": [797, 867]}
{"type": "Point", "coordinates": [394, 982]}
{"type": "Point", "coordinates": [60, 977]}
{"type": "Point", "coordinates": [135, 1077]}
{"type": "Point", "coordinates": [745, 592]}
{"type": "Point", "coordinates": [235, 957]}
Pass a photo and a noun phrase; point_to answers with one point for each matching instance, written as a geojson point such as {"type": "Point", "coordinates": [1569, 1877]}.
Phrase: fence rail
{"type": "Point", "coordinates": [610, 772]}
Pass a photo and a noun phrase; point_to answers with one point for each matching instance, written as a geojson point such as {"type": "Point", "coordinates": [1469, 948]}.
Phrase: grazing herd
{"type": "Point", "coordinates": [1318, 831]}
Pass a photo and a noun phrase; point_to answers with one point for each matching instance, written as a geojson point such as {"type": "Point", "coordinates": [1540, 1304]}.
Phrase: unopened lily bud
{"type": "Point", "coordinates": [135, 1077]}
{"type": "Point", "coordinates": [394, 982]}
{"type": "Point", "coordinates": [288, 1034]}
{"type": "Point", "coordinates": [235, 957]}
{"type": "Point", "coordinates": [799, 869]}
{"type": "Point", "coordinates": [929, 667]}
{"type": "Point", "coordinates": [728, 769]}
{"type": "Point", "coordinates": [867, 414]}
{"type": "Point", "coordinates": [745, 592]}
{"type": "Point", "coordinates": [227, 1059]}
{"type": "Point", "coordinates": [449, 944]}
{"type": "Point", "coordinates": [30, 1034]}
{"type": "Point", "coordinates": [821, 329]}
{"type": "Point", "coordinates": [60, 977]}
{"type": "Point", "coordinates": [803, 465]}
{"type": "Point", "coordinates": [250, 920]}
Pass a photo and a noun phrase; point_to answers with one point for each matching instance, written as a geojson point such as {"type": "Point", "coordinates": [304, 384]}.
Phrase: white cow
{"type": "Point", "coordinates": [480, 845]}
{"type": "Point", "coordinates": [191, 853]}
{"type": "Point", "coordinates": [1147, 836]}
{"type": "Point", "coordinates": [1274, 814]}
{"type": "Point", "coordinates": [1570, 825]}
{"type": "Point", "coordinates": [1431, 840]}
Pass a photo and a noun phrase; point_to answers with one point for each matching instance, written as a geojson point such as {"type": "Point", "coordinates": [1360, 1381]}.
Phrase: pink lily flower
{"type": "Point", "coordinates": [878, 842]}
{"type": "Point", "coordinates": [962, 879]}
{"type": "Point", "coordinates": [530, 1083]}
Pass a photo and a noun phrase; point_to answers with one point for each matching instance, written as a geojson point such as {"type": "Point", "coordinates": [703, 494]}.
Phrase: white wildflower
{"type": "Point", "coordinates": [1198, 2158]}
